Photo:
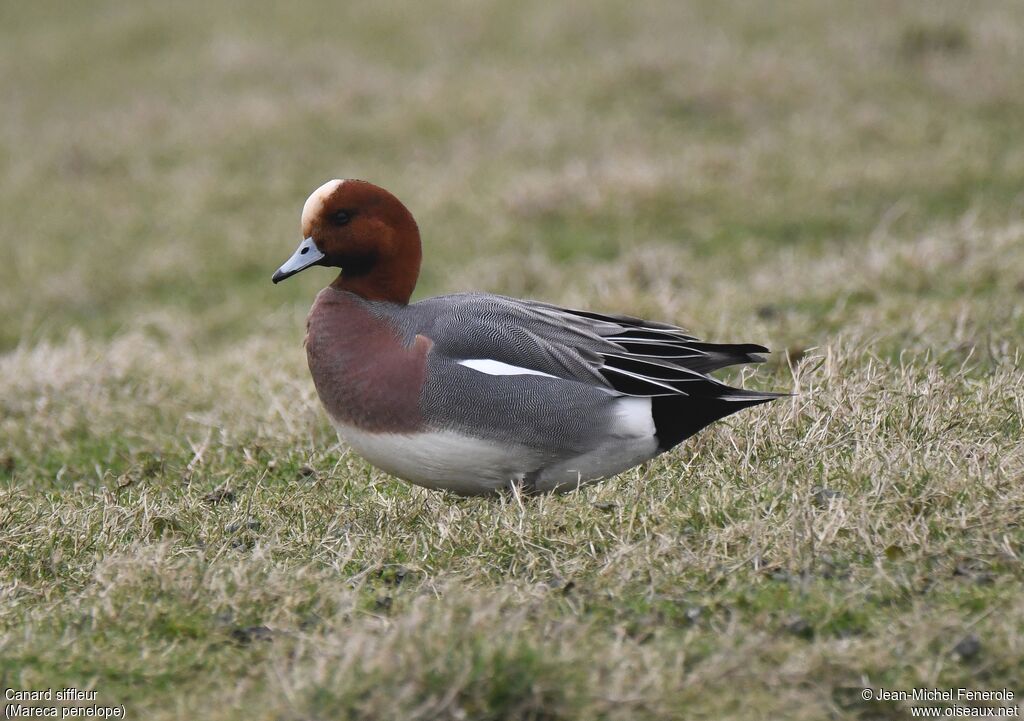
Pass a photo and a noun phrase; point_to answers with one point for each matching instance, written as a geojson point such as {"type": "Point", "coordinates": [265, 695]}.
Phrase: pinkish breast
{"type": "Point", "coordinates": [364, 374]}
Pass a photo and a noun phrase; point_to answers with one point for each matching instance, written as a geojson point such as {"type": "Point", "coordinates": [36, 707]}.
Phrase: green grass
{"type": "Point", "coordinates": [180, 529]}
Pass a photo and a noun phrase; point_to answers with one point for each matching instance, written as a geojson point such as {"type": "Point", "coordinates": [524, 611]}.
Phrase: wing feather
{"type": "Point", "coordinates": [622, 354]}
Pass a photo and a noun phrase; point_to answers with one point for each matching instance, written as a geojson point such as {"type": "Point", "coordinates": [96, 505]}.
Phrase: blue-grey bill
{"type": "Point", "coordinates": [305, 255]}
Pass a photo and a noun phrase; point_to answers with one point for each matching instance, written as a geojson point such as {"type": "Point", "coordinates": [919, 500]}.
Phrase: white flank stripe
{"type": "Point", "coordinates": [497, 368]}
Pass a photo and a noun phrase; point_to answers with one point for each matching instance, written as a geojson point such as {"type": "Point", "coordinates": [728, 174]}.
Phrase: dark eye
{"type": "Point", "coordinates": [341, 217]}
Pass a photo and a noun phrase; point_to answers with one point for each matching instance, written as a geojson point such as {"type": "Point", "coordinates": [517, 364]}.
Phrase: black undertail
{"type": "Point", "coordinates": [676, 418]}
{"type": "Point", "coordinates": [673, 368]}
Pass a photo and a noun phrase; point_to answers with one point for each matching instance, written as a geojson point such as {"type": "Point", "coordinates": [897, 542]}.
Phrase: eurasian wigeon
{"type": "Point", "coordinates": [475, 392]}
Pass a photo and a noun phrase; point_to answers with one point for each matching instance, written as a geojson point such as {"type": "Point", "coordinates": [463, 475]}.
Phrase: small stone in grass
{"type": "Point", "coordinates": [163, 525]}
{"type": "Point", "coordinates": [557, 583]}
{"type": "Point", "coordinates": [968, 647]}
{"type": "Point", "coordinates": [307, 473]}
{"type": "Point", "coordinates": [606, 506]}
{"type": "Point", "coordinates": [975, 571]}
{"type": "Point", "coordinates": [244, 635]}
{"type": "Point", "coordinates": [153, 465]}
{"type": "Point", "coordinates": [642, 628]}
{"type": "Point", "coordinates": [823, 497]}
{"type": "Point", "coordinates": [799, 627]}
{"type": "Point", "coordinates": [220, 495]}
{"type": "Point", "coordinates": [830, 568]}
{"type": "Point", "coordinates": [393, 575]}
{"type": "Point", "coordinates": [251, 525]}
{"type": "Point", "coordinates": [243, 543]}
{"type": "Point", "coordinates": [894, 552]}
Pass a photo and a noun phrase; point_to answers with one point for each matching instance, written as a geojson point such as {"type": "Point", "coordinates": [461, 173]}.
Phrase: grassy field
{"type": "Point", "coordinates": [180, 529]}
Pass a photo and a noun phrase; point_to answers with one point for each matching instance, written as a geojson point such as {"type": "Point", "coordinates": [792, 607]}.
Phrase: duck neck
{"type": "Point", "coordinates": [391, 279]}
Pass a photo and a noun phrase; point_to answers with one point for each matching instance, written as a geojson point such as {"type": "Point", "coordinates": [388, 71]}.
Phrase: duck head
{"type": "Point", "coordinates": [364, 230]}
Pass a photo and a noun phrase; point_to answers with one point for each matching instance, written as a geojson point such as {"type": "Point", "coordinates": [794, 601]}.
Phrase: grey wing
{"type": "Point", "coordinates": [620, 354]}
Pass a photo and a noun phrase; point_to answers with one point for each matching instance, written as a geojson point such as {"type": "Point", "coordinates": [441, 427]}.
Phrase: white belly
{"type": "Point", "coordinates": [473, 466]}
{"type": "Point", "coordinates": [441, 459]}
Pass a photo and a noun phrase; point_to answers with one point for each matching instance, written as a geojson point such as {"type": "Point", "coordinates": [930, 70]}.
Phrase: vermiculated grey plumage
{"type": "Point", "coordinates": [607, 356]}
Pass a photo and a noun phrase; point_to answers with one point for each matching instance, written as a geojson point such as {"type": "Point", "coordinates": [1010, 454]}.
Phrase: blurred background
{"type": "Point", "coordinates": [840, 181]}
{"type": "Point", "coordinates": [154, 156]}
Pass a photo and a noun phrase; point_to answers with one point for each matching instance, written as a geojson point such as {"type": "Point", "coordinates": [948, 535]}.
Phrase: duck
{"type": "Point", "coordinates": [479, 394]}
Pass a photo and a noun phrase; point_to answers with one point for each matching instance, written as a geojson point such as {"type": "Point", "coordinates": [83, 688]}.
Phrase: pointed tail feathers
{"type": "Point", "coordinates": [676, 418]}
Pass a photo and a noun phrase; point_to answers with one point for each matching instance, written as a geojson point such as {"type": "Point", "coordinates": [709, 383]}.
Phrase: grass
{"type": "Point", "coordinates": [180, 529]}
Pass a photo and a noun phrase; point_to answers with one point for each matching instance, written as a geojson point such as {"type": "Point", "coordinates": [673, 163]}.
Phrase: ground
{"type": "Point", "coordinates": [181, 531]}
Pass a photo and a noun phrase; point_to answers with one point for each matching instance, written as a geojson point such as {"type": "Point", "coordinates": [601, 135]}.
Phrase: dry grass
{"type": "Point", "coordinates": [179, 528]}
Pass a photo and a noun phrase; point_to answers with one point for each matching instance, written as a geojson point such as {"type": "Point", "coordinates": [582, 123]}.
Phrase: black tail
{"type": "Point", "coordinates": [678, 417]}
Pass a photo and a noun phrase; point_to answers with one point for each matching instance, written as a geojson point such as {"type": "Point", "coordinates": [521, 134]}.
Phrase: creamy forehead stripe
{"type": "Point", "coordinates": [315, 202]}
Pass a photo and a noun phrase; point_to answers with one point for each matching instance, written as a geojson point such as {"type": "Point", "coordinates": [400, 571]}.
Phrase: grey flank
{"type": "Point", "coordinates": [596, 360]}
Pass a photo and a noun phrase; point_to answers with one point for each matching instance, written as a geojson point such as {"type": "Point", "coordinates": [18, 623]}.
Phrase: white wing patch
{"type": "Point", "coordinates": [497, 368]}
